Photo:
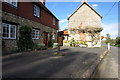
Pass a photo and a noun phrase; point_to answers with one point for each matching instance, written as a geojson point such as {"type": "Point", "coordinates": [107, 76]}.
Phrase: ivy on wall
{"type": "Point", "coordinates": [25, 41]}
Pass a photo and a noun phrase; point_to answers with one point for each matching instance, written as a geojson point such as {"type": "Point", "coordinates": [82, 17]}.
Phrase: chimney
{"type": "Point", "coordinates": [43, 1]}
{"type": "Point", "coordinates": [84, 1]}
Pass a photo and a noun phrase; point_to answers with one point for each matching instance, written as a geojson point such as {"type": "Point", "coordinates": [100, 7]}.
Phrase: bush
{"type": "Point", "coordinates": [55, 45]}
{"type": "Point", "coordinates": [25, 41]}
{"type": "Point", "coordinates": [117, 40]}
{"type": "Point", "coordinates": [76, 44]}
{"type": "Point", "coordinates": [40, 46]}
{"type": "Point", "coordinates": [50, 43]}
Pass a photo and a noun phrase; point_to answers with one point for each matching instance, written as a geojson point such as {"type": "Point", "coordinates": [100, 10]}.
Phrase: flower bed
{"type": "Point", "coordinates": [74, 43]}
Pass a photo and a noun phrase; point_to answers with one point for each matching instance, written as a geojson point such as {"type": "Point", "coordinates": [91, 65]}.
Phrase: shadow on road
{"type": "Point", "coordinates": [73, 64]}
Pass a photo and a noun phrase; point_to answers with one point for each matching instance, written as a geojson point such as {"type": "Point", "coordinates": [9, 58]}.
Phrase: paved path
{"type": "Point", "coordinates": [109, 67]}
{"type": "Point", "coordinates": [43, 64]}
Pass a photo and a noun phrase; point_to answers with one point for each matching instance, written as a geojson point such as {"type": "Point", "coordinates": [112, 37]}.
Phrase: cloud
{"type": "Point", "coordinates": [65, 26]}
{"type": "Point", "coordinates": [76, 0]}
{"type": "Point", "coordinates": [111, 29]}
{"type": "Point", "coordinates": [68, 15]}
{"type": "Point", "coordinates": [63, 20]}
{"type": "Point", "coordinates": [61, 29]}
{"type": "Point", "coordinates": [95, 5]}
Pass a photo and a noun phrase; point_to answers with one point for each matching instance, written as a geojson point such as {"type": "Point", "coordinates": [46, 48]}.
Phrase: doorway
{"type": "Point", "coordinates": [45, 39]}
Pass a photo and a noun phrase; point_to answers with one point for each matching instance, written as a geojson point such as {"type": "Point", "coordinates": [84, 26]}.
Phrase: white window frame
{"type": "Point", "coordinates": [36, 11]}
{"type": "Point", "coordinates": [36, 34]}
{"type": "Point", "coordinates": [12, 2]}
{"type": "Point", "coordinates": [54, 21]}
{"type": "Point", "coordinates": [9, 33]}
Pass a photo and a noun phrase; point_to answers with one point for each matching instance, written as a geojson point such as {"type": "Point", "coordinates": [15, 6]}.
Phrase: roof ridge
{"type": "Point", "coordinates": [88, 6]}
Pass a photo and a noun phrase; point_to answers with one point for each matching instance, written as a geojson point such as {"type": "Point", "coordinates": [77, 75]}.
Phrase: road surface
{"type": "Point", "coordinates": [43, 64]}
{"type": "Point", "coordinates": [109, 66]}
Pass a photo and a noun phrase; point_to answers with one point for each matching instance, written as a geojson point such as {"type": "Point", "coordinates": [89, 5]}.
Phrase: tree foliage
{"type": "Point", "coordinates": [25, 41]}
{"type": "Point", "coordinates": [117, 41]}
{"type": "Point", "coordinates": [109, 40]}
{"type": "Point", "coordinates": [113, 42]}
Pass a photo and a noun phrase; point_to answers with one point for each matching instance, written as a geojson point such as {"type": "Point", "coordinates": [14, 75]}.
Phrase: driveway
{"type": "Point", "coordinates": [43, 64]}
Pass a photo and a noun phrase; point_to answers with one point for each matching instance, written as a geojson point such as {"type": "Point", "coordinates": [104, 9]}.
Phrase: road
{"type": "Point", "coordinates": [109, 66]}
{"type": "Point", "coordinates": [43, 64]}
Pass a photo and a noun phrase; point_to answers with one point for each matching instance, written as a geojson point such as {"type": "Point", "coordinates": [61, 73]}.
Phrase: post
{"type": "Point", "coordinates": [108, 46]}
{"type": "Point", "coordinates": [58, 49]}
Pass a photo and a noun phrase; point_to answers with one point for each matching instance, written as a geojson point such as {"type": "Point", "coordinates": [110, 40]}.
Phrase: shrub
{"type": "Point", "coordinates": [76, 44]}
{"type": "Point", "coordinates": [80, 42]}
{"type": "Point", "coordinates": [117, 40]}
{"type": "Point", "coordinates": [55, 45]}
{"type": "Point", "coordinates": [40, 46]}
{"type": "Point", "coordinates": [50, 43]}
{"type": "Point", "coordinates": [25, 41]}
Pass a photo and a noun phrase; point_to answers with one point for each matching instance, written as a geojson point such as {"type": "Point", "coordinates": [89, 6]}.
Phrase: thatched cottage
{"type": "Point", "coordinates": [85, 25]}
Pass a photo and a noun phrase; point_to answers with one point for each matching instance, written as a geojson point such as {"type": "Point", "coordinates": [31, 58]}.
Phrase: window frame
{"type": "Point", "coordinates": [54, 21]}
{"type": "Point", "coordinates": [9, 31]}
{"type": "Point", "coordinates": [36, 34]}
{"type": "Point", "coordinates": [11, 2]}
{"type": "Point", "coordinates": [36, 10]}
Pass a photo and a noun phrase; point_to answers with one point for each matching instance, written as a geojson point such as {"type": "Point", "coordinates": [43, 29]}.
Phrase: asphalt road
{"type": "Point", "coordinates": [43, 64]}
{"type": "Point", "coordinates": [109, 67]}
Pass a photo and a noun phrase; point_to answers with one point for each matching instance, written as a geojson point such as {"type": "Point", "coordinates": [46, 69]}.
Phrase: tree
{"type": "Point", "coordinates": [25, 41]}
{"type": "Point", "coordinates": [108, 39]}
{"type": "Point", "coordinates": [117, 41]}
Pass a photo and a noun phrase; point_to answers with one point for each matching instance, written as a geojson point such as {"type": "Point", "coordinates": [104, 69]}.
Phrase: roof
{"type": "Point", "coordinates": [88, 6]}
{"type": "Point", "coordinates": [46, 9]}
{"type": "Point", "coordinates": [64, 32]}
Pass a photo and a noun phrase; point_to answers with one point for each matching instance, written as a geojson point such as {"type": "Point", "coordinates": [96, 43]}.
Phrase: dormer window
{"type": "Point", "coordinates": [36, 11]}
{"type": "Point", "coordinates": [12, 2]}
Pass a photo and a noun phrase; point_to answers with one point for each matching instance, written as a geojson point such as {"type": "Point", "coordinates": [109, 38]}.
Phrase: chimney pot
{"type": "Point", "coordinates": [84, 1]}
{"type": "Point", "coordinates": [43, 1]}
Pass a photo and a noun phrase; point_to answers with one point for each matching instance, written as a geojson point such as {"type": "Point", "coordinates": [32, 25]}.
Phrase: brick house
{"type": "Point", "coordinates": [85, 25]}
{"type": "Point", "coordinates": [33, 14]}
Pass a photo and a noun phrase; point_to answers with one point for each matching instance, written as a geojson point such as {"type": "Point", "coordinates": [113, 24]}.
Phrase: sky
{"type": "Point", "coordinates": [62, 10]}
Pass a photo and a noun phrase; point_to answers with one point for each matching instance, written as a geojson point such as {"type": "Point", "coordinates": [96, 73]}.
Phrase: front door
{"type": "Point", "coordinates": [45, 38]}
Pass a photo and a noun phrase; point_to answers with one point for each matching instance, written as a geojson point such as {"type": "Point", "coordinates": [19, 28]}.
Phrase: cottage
{"type": "Point", "coordinates": [85, 25]}
{"type": "Point", "coordinates": [33, 14]}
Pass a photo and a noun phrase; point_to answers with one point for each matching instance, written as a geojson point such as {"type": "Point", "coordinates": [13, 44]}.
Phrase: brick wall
{"type": "Point", "coordinates": [25, 10]}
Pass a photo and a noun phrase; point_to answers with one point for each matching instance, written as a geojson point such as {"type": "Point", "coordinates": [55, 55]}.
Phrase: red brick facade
{"type": "Point", "coordinates": [25, 9]}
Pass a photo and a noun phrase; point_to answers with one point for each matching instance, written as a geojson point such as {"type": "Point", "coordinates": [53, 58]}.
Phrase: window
{"type": "Point", "coordinates": [12, 2]}
{"type": "Point", "coordinates": [35, 34]}
{"type": "Point", "coordinates": [53, 21]}
{"type": "Point", "coordinates": [36, 11]}
{"type": "Point", "coordinates": [53, 37]}
{"type": "Point", "coordinates": [8, 31]}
